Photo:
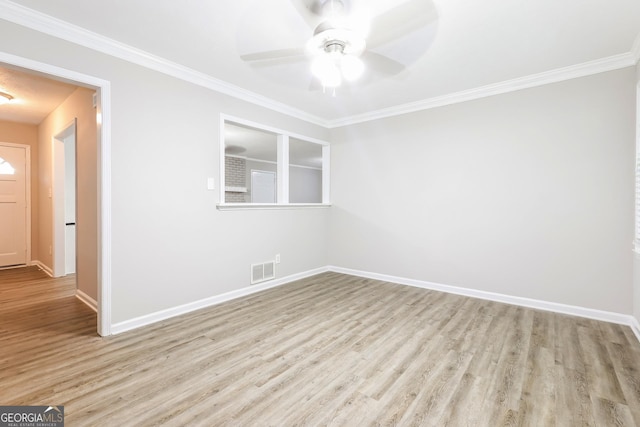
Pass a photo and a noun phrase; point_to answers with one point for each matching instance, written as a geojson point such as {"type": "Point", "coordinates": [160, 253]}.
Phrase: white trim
{"type": "Point", "coordinates": [57, 150]}
{"type": "Point", "coordinates": [222, 161]}
{"type": "Point", "coordinates": [572, 310]}
{"type": "Point", "coordinates": [41, 22]}
{"type": "Point", "coordinates": [588, 313]}
{"type": "Point", "coordinates": [636, 225]}
{"type": "Point", "coordinates": [158, 316]}
{"type": "Point", "coordinates": [326, 176]}
{"type": "Point", "coordinates": [237, 120]}
{"type": "Point", "coordinates": [90, 302]}
{"type": "Point", "coordinates": [270, 206]}
{"type": "Point", "coordinates": [306, 167]}
{"type": "Point", "coordinates": [282, 168]}
{"type": "Point", "coordinates": [27, 195]}
{"type": "Point", "coordinates": [12, 267]}
{"type": "Point", "coordinates": [42, 267]}
{"type": "Point", "coordinates": [235, 189]}
{"type": "Point", "coordinates": [55, 27]}
{"type": "Point", "coordinates": [283, 138]}
{"type": "Point", "coordinates": [635, 327]}
{"type": "Point", "coordinates": [611, 63]}
{"type": "Point", "coordinates": [635, 50]}
{"type": "Point", "coordinates": [252, 159]}
{"type": "Point", "coordinates": [103, 112]}
{"type": "Point", "coordinates": [104, 179]}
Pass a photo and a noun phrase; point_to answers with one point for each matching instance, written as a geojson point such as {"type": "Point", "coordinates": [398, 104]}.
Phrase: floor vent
{"type": "Point", "coordinates": [262, 272]}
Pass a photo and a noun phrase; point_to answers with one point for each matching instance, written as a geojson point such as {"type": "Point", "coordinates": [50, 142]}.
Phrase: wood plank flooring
{"type": "Point", "coordinates": [329, 350]}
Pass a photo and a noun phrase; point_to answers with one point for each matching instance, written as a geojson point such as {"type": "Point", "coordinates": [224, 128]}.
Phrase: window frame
{"type": "Point", "coordinates": [282, 166]}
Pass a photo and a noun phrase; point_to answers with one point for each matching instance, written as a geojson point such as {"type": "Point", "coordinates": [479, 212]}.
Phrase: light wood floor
{"type": "Point", "coordinates": [329, 350]}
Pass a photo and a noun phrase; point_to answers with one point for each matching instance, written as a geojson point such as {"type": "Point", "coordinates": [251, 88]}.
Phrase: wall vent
{"type": "Point", "coordinates": [263, 272]}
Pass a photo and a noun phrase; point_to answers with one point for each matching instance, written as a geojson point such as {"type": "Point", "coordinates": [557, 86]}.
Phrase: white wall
{"type": "Point", "coordinates": [527, 194]}
{"type": "Point", "coordinates": [79, 107]}
{"type": "Point", "coordinates": [171, 245]}
{"type": "Point", "coordinates": [636, 259]}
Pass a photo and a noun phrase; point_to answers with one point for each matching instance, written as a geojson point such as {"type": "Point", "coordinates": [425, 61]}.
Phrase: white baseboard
{"type": "Point", "coordinates": [635, 327]}
{"type": "Point", "coordinates": [572, 310]}
{"type": "Point", "coordinates": [90, 302]}
{"type": "Point", "coordinates": [127, 325]}
{"type": "Point", "coordinates": [158, 316]}
{"type": "Point", "coordinates": [42, 267]}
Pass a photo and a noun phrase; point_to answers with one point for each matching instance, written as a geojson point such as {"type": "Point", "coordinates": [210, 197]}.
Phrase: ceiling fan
{"type": "Point", "coordinates": [344, 33]}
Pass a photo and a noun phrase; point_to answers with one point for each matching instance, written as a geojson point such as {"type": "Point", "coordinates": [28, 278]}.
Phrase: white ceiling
{"type": "Point", "coordinates": [467, 43]}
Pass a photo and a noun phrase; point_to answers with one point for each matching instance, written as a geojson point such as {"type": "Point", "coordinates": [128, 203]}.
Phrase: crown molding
{"type": "Point", "coordinates": [554, 76]}
{"type": "Point", "coordinates": [41, 22]}
{"type": "Point", "coordinates": [635, 50]}
{"type": "Point", "coordinates": [55, 27]}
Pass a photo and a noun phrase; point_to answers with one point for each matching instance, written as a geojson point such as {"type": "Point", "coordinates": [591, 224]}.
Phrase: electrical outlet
{"type": "Point", "coordinates": [277, 258]}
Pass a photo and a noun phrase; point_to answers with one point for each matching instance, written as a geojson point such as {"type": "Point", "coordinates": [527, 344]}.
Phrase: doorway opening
{"type": "Point", "coordinates": [102, 188]}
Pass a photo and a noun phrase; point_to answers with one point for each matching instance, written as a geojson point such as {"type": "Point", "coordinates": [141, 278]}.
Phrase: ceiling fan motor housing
{"type": "Point", "coordinates": [328, 38]}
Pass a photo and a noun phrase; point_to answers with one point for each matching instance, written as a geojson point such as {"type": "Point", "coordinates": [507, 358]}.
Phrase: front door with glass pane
{"type": "Point", "coordinates": [13, 206]}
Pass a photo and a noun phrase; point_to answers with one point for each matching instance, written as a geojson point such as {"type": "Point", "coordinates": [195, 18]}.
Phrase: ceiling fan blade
{"type": "Point", "coordinates": [400, 20]}
{"type": "Point", "coordinates": [315, 6]}
{"type": "Point", "coordinates": [288, 61]}
{"type": "Point", "coordinates": [315, 11]}
{"type": "Point", "coordinates": [314, 85]}
{"type": "Point", "coordinates": [382, 64]}
{"type": "Point", "coordinates": [273, 54]}
{"type": "Point", "coordinates": [309, 10]}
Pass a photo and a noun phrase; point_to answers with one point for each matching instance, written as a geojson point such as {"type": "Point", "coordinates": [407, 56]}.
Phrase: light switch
{"type": "Point", "coordinates": [211, 184]}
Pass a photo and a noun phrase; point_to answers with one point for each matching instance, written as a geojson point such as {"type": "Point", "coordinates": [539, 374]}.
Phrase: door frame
{"type": "Point", "coordinates": [59, 196]}
{"type": "Point", "coordinates": [27, 184]}
{"type": "Point", "coordinates": [103, 117]}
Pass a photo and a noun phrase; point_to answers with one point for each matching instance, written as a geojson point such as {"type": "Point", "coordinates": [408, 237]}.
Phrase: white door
{"type": "Point", "coordinates": [64, 202]}
{"type": "Point", "coordinates": [13, 206]}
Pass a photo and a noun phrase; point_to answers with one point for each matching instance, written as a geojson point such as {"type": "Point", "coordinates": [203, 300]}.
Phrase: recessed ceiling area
{"type": "Point", "coordinates": [465, 45]}
{"type": "Point", "coordinates": [34, 96]}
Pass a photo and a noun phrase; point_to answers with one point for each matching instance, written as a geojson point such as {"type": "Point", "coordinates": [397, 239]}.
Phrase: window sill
{"type": "Point", "coordinates": [270, 206]}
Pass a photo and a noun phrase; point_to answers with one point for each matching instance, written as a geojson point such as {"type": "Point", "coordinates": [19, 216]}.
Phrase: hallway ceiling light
{"type": "Point", "coordinates": [5, 98]}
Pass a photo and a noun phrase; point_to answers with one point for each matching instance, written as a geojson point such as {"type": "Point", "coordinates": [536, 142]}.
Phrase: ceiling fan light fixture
{"type": "Point", "coordinates": [326, 70]}
{"type": "Point", "coordinates": [352, 67]}
{"type": "Point", "coordinates": [332, 80]}
{"type": "Point", "coordinates": [352, 42]}
{"type": "Point", "coordinates": [5, 98]}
